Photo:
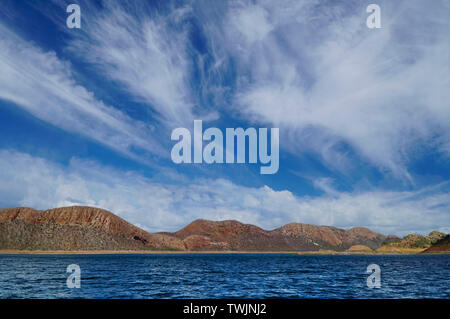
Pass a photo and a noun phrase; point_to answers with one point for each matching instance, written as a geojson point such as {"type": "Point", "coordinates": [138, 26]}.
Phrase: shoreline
{"type": "Point", "coordinates": [159, 252]}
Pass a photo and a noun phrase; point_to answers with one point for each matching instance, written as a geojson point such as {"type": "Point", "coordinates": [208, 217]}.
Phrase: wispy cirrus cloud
{"type": "Point", "coordinates": [316, 71]}
{"type": "Point", "coordinates": [167, 207]}
{"type": "Point", "coordinates": [42, 84]}
{"type": "Point", "coordinates": [311, 68]}
{"type": "Point", "coordinates": [146, 51]}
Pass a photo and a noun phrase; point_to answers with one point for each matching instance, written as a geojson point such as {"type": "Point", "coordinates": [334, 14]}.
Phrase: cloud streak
{"type": "Point", "coordinates": [145, 51]}
{"type": "Point", "coordinates": [42, 84]}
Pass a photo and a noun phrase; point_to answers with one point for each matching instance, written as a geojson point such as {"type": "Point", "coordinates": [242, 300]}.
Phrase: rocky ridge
{"type": "Point", "coordinates": [89, 228]}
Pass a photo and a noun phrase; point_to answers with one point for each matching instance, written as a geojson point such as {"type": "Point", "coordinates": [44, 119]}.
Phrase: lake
{"type": "Point", "coordinates": [224, 276]}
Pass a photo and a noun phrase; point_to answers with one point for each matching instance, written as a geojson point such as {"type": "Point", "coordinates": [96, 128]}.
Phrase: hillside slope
{"type": "Point", "coordinates": [441, 246]}
{"type": "Point", "coordinates": [413, 241]}
{"type": "Point", "coordinates": [88, 228]}
{"type": "Point", "coordinates": [75, 228]}
{"type": "Point", "coordinates": [233, 235]}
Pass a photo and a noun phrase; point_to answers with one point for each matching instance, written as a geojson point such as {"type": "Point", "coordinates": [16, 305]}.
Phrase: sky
{"type": "Point", "coordinates": [86, 114]}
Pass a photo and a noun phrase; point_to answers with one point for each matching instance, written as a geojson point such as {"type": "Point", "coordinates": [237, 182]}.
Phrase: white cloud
{"type": "Point", "coordinates": [147, 53]}
{"type": "Point", "coordinates": [42, 84]}
{"type": "Point", "coordinates": [251, 21]}
{"type": "Point", "coordinates": [324, 78]}
{"type": "Point", "coordinates": [325, 184]}
{"type": "Point", "coordinates": [36, 182]}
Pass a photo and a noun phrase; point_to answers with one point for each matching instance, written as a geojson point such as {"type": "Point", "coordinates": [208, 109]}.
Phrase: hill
{"type": "Point", "coordinates": [441, 246]}
{"type": "Point", "coordinates": [414, 241]}
{"type": "Point", "coordinates": [87, 228]}
{"type": "Point", "coordinates": [360, 248]}
{"type": "Point", "coordinates": [233, 235]}
{"type": "Point", "coordinates": [75, 228]}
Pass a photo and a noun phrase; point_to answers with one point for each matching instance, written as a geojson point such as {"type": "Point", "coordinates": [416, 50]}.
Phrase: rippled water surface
{"type": "Point", "coordinates": [224, 276]}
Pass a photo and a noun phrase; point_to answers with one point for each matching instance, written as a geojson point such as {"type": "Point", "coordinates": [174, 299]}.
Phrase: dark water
{"type": "Point", "coordinates": [224, 276]}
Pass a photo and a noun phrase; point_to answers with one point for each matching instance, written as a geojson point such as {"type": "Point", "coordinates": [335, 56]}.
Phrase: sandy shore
{"type": "Point", "coordinates": [118, 252]}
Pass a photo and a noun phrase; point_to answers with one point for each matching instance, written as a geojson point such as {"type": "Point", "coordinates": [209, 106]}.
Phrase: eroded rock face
{"type": "Point", "coordinates": [75, 228]}
{"type": "Point", "coordinates": [324, 234]}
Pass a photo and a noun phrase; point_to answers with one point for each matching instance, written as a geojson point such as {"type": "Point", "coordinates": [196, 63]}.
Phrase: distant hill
{"type": "Point", "coordinates": [88, 228]}
{"type": "Point", "coordinates": [441, 246]}
{"type": "Point", "coordinates": [360, 248]}
{"type": "Point", "coordinates": [413, 241]}
{"type": "Point", "coordinates": [233, 235]}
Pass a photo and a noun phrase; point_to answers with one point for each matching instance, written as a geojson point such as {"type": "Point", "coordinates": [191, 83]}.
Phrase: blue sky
{"type": "Point", "coordinates": [364, 114]}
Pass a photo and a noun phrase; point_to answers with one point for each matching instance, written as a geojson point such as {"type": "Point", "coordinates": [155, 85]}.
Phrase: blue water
{"type": "Point", "coordinates": [224, 276]}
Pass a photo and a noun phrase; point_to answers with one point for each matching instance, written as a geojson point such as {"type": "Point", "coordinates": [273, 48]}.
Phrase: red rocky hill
{"type": "Point", "coordinates": [233, 235]}
{"type": "Point", "coordinates": [75, 228]}
{"type": "Point", "coordinates": [88, 228]}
